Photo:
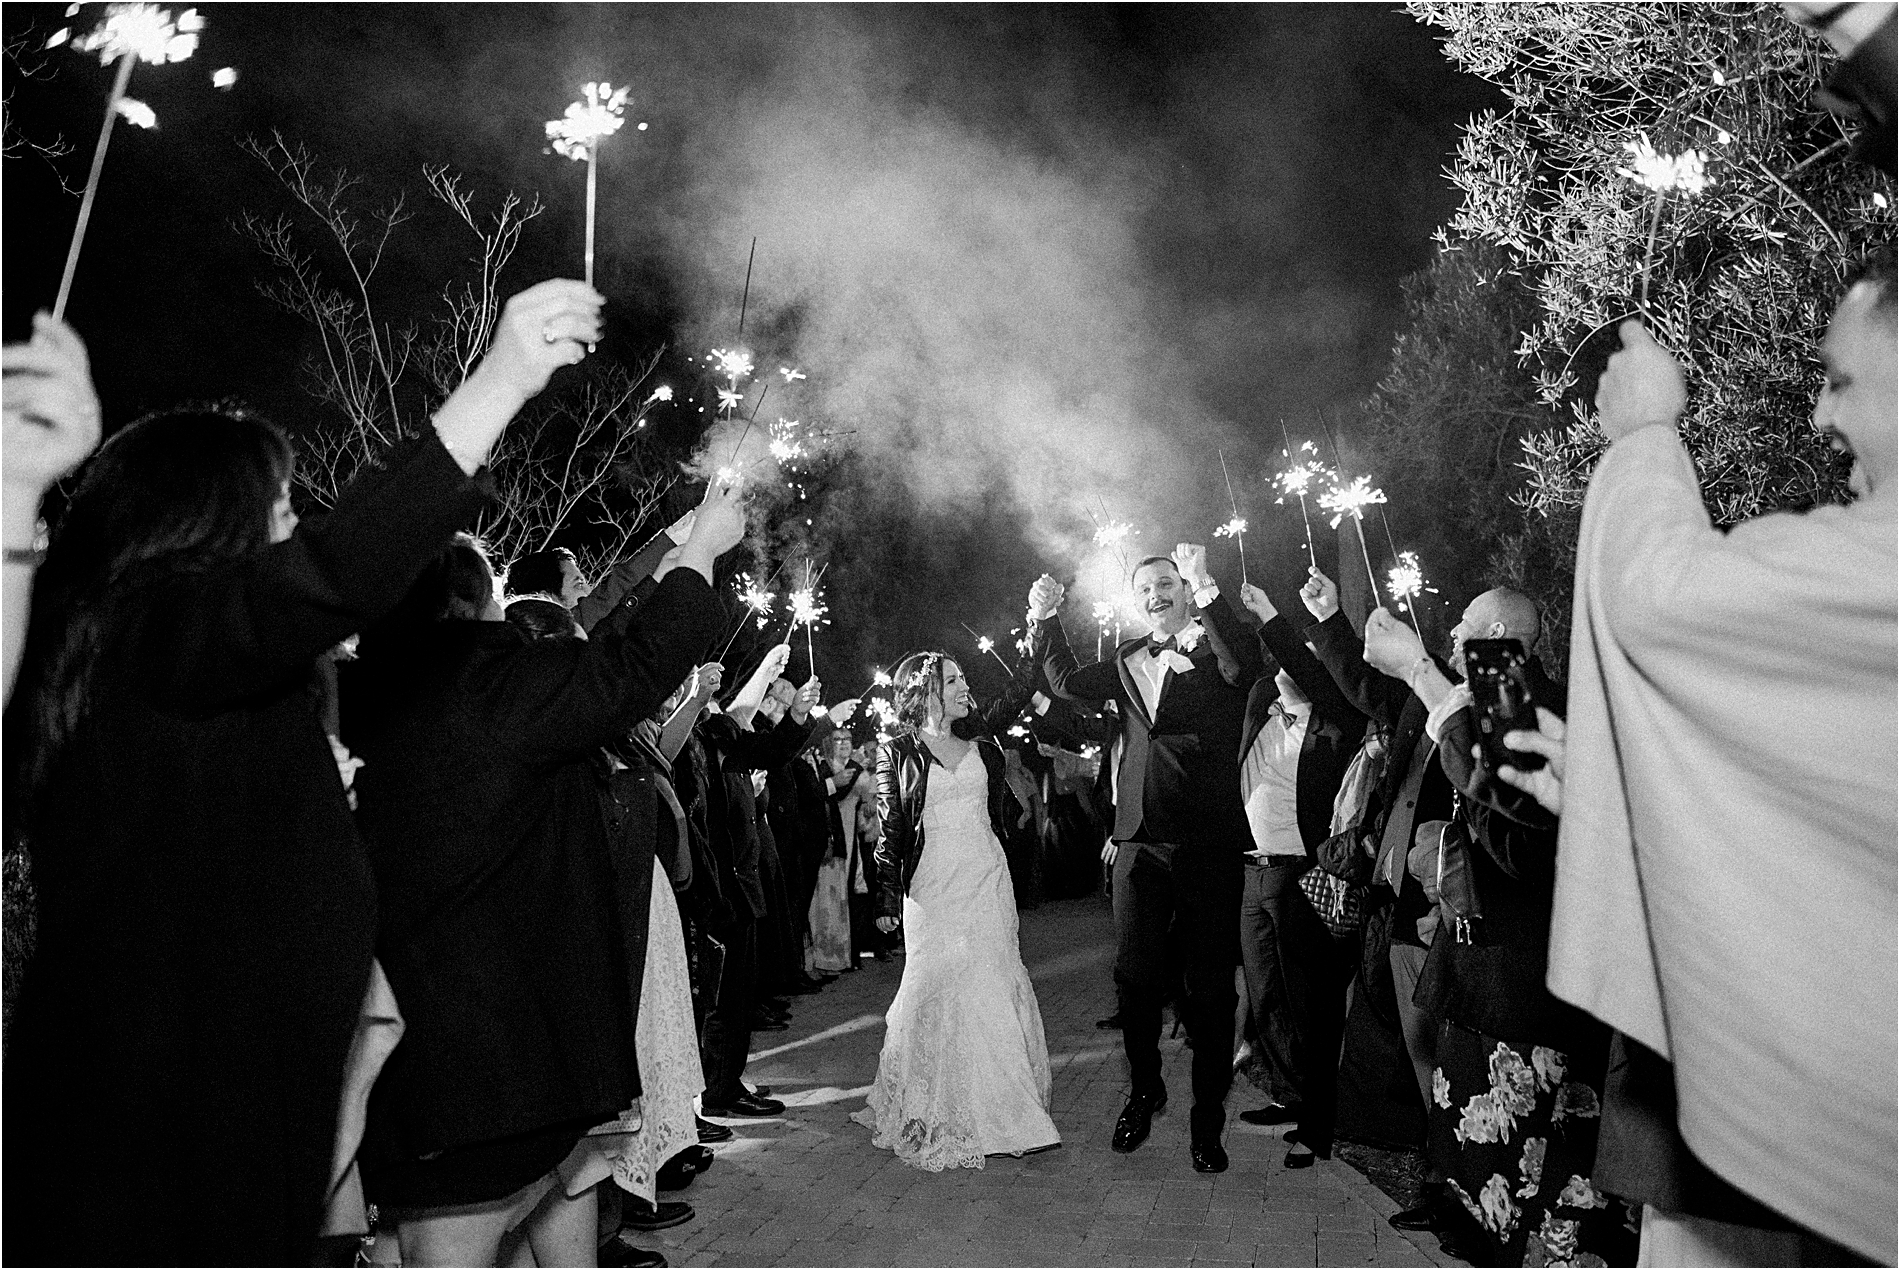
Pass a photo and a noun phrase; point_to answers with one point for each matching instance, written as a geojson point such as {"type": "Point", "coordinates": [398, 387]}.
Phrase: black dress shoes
{"type": "Point", "coordinates": [1272, 1113]}
{"type": "Point", "coordinates": [744, 1105]}
{"type": "Point", "coordinates": [710, 1132]}
{"type": "Point", "coordinates": [622, 1251]}
{"type": "Point", "coordinates": [1428, 1214]}
{"type": "Point", "coordinates": [637, 1214]}
{"type": "Point", "coordinates": [1208, 1154]}
{"type": "Point", "coordinates": [1131, 1129]}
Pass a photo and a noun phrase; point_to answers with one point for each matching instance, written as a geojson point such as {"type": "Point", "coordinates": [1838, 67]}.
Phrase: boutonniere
{"type": "Point", "coordinates": [1190, 637]}
{"type": "Point", "coordinates": [1176, 661]}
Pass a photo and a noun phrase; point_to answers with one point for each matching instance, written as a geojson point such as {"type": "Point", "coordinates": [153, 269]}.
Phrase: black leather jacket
{"type": "Point", "coordinates": [903, 781]}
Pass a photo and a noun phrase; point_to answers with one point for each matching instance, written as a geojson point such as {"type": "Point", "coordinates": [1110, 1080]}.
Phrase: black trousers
{"type": "Point", "coordinates": [728, 1033]}
{"type": "Point", "coordinates": [1188, 897]}
{"type": "Point", "coordinates": [1315, 972]}
{"type": "Point", "coordinates": [1268, 1005]}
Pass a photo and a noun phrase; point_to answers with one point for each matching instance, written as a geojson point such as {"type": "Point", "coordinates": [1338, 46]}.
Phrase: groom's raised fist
{"type": "Point", "coordinates": [1045, 597]}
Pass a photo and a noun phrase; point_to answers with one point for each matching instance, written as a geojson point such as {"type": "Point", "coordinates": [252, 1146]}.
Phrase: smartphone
{"type": "Point", "coordinates": [1502, 700]}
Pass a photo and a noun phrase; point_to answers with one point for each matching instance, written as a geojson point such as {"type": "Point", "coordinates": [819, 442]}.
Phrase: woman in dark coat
{"type": "Point", "coordinates": [497, 918]}
{"type": "Point", "coordinates": [206, 909]}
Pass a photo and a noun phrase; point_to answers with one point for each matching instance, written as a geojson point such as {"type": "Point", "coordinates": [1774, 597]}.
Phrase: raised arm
{"type": "Point", "coordinates": [1237, 655]}
{"type": "Point", "coordinates": [679, 727]}
{"type": "Point", "coordinates": [620, 580]}
{"type": "Point", "coordinates": [1378, 697]}
{"type": "Point", "coordinates": [1015, 697]}
{"type": "Point", "coordinates": [1049, 645]}
{"type": "Point", "coordinates": [1287, 647]}
{"type": "Point", "coordinates": [215, 640]}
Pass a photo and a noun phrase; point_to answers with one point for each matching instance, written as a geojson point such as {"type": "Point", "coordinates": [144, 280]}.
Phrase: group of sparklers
{"type": "Point", "coordinates": [133, 32]}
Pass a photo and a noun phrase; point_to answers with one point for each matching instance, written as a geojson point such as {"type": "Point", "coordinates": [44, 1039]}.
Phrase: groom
{"type": "Point", "coordinates": [1180, 829]}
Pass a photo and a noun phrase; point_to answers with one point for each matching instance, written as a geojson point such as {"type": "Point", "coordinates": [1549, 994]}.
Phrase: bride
{"type": "Point", "coordinates": [965, 1068]}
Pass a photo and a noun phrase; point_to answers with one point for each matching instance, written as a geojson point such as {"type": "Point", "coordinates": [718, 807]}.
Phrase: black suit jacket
{"type": "Point", "coordinates": [1333, 730]}
{"type": "Point", "coordinates": [1179, 777]}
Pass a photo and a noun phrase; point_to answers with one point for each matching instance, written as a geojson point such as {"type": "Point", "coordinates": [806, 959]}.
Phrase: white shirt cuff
{"type": "Point", "coordinates": [1458, 699]}
{"type": "Point", "coordinates": [1206, 595]}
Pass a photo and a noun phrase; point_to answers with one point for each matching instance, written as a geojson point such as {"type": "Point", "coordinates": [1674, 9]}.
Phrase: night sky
{"type": "Point", "coordinates": [1029, 256]}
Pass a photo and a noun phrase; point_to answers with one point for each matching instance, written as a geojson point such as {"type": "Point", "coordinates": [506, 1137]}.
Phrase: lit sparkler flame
{"type": "Point", "coordinates": [734, 364]}
{"type": "Point", "coordinates": [1406, 581]}
{"type": "Point", "coordinates": [1298, 479]}
{"type": "Point", "coordinates": [807, 609]}
{"type": "Point", "coordinates": [756, 597]}
{"type": "Point", "coordinates": [1112, 534]}
{"type": "Point", "coordinates": [663, 393]}
{"type": "Point", "coordinates": [727, 475]}
{"type": "Point", "coordinates": [881, 678]}
{"type": "Point", "coordinates": [1664, 172]}
{"type": "Point", "coordinates": [1104, 613]}
{"type": "Point", "coordinates": [791, 373]}
{"type": "Point", "coordinates": [730, 399]}
{"type": "Point", "coordinates": [785, 445]}
{"type": "Point", "coordinates": [984, 644]}
{"type": "Point", "coordinates": [586, 122]}
{"type": "Point", "coordinates": [224, 77]}
{"type": "Point", "coordinates": [145, 30]}
{"type": "Point", "coordinates": [1351, 500]}
{"type": "Point", "coordinates": [1232, 529]}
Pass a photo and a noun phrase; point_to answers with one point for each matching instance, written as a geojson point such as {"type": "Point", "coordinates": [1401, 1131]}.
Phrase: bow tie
{"type": "Point", "coordinates": [1156, 647]}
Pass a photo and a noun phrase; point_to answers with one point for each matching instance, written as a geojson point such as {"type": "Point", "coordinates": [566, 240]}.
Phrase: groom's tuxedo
{"type": "Point", "coordinates": [1179, 780]}
{"type": "Point", "coordinates": [1182, 832]}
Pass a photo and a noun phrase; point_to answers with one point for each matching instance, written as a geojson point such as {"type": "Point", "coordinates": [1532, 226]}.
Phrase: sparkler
{"type": "Point", "coordinates": [1350, 500]}
{"type": "Point", "coordinates": [131, 33]}
{"type": "Point", "coordinates": [1295, 480]}
{"type": "Point", "coordinates": [577, 135]}
{"type": "Point", "coordinates": [984, 644]}
{"type": "Point", "coordinates": [880, 678]}
{"type": "Point", "coordinates": [1662, 173]}
{"type": "Point", "coordinates": [1104, 616]}
{"type": "Point", "coordinates": [727, 646]}
{"type": "Point", "coordinates": [808, 610]}
{"type": "Point", "coordinates": [757, 598]}
{"type": "Point", "coordinates": [1235, 528]}
{"type": "Point", "coordinates": [1405, 581]}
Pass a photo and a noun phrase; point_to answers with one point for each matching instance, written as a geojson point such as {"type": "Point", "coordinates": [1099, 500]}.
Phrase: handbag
{"type": "Point", "coordinates": [1339, 904]}
{"type": "Point", "coordinates": [1441, 860]}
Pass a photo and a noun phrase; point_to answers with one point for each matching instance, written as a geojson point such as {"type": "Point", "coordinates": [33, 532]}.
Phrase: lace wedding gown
{"type": "Point", "coordinates": [965, 1068]}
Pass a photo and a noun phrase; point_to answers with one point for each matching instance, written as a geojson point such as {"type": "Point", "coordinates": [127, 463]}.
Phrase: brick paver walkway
{"type": "Point", "coordinates": [808, 1189]}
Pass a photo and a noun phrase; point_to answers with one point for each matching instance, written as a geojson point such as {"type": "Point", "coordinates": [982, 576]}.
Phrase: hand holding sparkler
{"type": "Point", "coordinates": [1257, 602]}
{"type": "Point", "coordinates": [1045, 597]}
{"type": "Point", "coordinates": [51, 412]}
{"type": "Point", "coordinates": [707, 680]}
{"type": "Point", "coordinates": [841, 713]}
{"type": "Point", "coordinates": [1641, 387]}
{"type": "Point", "coordinates": [1392, 647]}
{"type": "Point", "coordinates": [538, 330]}
{"type": "Point", "coordinates": [1191, 559]}
{"type": "Point", "coordinates": [718, 527]}
{"type": "Point", "coordinates": [1320, 595]}
{"type": "Point", "coordinates": [807, 699]}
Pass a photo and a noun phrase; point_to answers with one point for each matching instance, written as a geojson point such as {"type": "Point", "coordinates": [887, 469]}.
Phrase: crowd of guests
{"type": "Point", "coordinates": [383, 891]}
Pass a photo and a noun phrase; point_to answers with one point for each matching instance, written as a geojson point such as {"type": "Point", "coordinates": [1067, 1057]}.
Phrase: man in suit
{"type": "Point", "coordinates": [1300, 735]}
{"type": "Point", "coordinates": [1180, 830]}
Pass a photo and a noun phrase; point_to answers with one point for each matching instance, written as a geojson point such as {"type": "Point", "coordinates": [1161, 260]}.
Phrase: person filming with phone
{"type": "Point", "coordinates": [1491, 868]}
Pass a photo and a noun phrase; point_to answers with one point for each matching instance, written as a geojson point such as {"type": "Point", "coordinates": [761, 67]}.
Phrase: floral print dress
{"type": "Point", "coordinates": [1514, 1127]}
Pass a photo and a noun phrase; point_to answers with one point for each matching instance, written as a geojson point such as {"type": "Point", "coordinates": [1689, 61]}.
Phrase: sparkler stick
{"type": "Point", "coordinates": [1405, 581]}
{"type": "Point", "coordinates": [1298, 486]}
{"type": "Point", "coordinates": [745, 292]}
{"type": "Point", "coordinates": [1235, 528]}
{"type": "Point", "coordinates": [809, 610]}
{"type": "Point", "coordinates": [92, 182]}
{"type": "Point", "coordinates": [131, 32]}
{"type": "Point", "coordinates": [984, 644]}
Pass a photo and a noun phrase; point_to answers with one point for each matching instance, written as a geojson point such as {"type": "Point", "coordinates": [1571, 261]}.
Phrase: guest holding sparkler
{"type": "Point", "coordinates": [1301, 734]}
{"type": "Point", "coordinates": [499, 925]}
{"type": "Point", "coordinates": [556, 574]}
{"type": "Point", "coordinates": [1725, 873]}
{"type": "Point", "coordinates": [964, 1072]}
{"type": "Point", "coordinates": [1180, 828]}
{"type": "Point", "coordinates": [202, 887]}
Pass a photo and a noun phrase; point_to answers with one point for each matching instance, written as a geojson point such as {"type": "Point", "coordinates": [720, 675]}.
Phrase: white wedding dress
{"type": "Point", "coordinates": [965, 1067]}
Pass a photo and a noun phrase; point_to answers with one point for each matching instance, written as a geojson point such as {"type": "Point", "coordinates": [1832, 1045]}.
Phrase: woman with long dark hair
{"type": "Point", "coordinates": [965, 1067]}
{"type": "Point", "coordinates": [206, 912]}
{"type": "Point", "coordinates": [499, 919]}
